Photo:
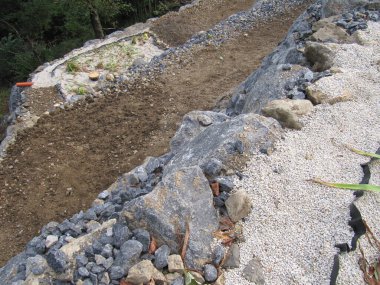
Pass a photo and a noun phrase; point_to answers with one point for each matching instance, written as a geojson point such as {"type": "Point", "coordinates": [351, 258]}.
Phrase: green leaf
{"type": "Point", "coordinates": [358, 151]}
{"type": "Point", "coordinates": [189, 279]}
{"type": "Point", "coordinates": [365, 187]}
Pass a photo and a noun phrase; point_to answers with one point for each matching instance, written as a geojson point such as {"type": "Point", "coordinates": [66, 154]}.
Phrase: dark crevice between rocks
{"type": "Point", "coordinates": [356, 223]}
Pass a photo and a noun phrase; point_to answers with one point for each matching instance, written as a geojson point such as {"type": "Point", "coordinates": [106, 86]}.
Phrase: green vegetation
{"type": "Point", "coordinates": [72, 66]}
{"type": "Point", "coordinates": [365, 187]}
{"type": "Point", "coordinates": [33, 32]}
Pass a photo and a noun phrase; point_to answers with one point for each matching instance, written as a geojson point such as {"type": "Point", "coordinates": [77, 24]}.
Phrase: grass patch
{"type": "Point", "coordinates": [72, 66]}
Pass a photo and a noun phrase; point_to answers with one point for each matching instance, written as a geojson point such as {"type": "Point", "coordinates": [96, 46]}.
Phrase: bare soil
{"type": "Point", "coordinates": [176, 28]}
{"type": "Point", "coordinates": [58, 167]}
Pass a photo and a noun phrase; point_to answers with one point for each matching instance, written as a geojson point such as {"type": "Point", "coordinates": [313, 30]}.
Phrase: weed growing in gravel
{"type": "Point", "coordinates": [365, 187]}
{"type": "Point", "coordinates": [72, 66]}
{"type": "Point", "coordinates": [111, 66]}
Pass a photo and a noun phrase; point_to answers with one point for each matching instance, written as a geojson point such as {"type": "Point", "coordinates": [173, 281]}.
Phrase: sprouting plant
{"type": "Point", "coordinates": [365, 187]}
{"type": "Point", "coordinates": [72, 66]}
{"type": "Point", "coordinates": [129, 50]}
{"type": "Point", "coordinates": [111, 66]}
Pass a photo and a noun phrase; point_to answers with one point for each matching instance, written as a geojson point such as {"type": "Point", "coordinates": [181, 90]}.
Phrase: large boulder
{"type": "Point", "coordinates": [246, 133]}
{"type": "Point", "coordinates": [177, 205]}
{"type": "Point", "coordinates": [320, 56]}
{"type": "Point", "coordinates": [287, 111]}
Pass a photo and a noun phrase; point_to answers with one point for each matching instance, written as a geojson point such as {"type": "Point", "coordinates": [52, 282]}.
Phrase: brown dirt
{"type": "Point", "coordinates": [176, 28]}
{"type": "Point", "coordinates": [87, 147]}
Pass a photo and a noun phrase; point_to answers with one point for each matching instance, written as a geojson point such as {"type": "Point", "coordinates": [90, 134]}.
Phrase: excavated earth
{"type": "Point", "coordinates": [58, 167]}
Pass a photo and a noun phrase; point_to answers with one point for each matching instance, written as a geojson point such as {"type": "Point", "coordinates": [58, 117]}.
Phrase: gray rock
{"type": "Point", "coordinates": [218, 255]}
{"type": "Point", "coordinates": [161, 257]}
{"type": "Point", "coordinates": [212, 168]}
{"type": "Point", "coordinates": [129, 254]}
{"type": "Point", "coordinates": [192, 125]}
{"type": "Point", "coordinates": [331, 33]}
{"type": "Point", "coordinates": [107, 251]}
{"type": "Point", "coordinates": [238, 205]}
{"type": "Point", "coordinates": [233, 257]}
{"type": "Point", "coordinates": [87, 281]}
{"type": "Point", "coordinates": [175, 264]}
{"type": "Point", "coordinates": [99, 259]}
{"type": "Point", "coordinates": [57, 260]}
{"type": "Point", "coordinates": [141, 173]}
{"type": "Point", "coordinates": [82, 271]}
{"type": "Point", "coordinates": [225, 184]}
{"type": "Point", "coordinates": [210, 273]}
{"type": "Point", "coordinates": [105, 279]}
{"type": "Point", "coordinates": [96, 269]}
{"type": "Point", "coordinates": [92, 226]}
{"type": "Point", "coordinates": [253, 272]}
{"type": "Point", "coordinates": [179, 281]}
{"type": "Point", "coordinates": [90, 215]}
{"type": "Point", "coordinates": [81, 260]}
{"type": "Point", "coordinates": [116, 272]}
{"type": "Point", "coordinates": [165, 210]}
{"type": "Point", "coordinates": [151, 164]}
{"type": "Point", "coordinates": [320, 56]}
{"type": "Point", "coordinates": [35, 246]}
{"type": "Point", "coordinates": [142, 236]}
{"type": "Point", "coordinates": [121, 234]}
{"type": "Point", "coordinates": [104, 195]}
{"type": "Point", "coordinates": [256, 132]}
{"type": "Point", "coordinates": [36, 265]}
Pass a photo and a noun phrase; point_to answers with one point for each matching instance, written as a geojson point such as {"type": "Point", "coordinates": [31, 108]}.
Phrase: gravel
{"type": "Point", "coordinates": [295, 223]}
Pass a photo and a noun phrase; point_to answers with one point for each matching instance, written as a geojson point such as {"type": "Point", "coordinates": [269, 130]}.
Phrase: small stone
{"type": "Point", "coordinates": [253, 272]}
{"type": "Point", "coordinates": [99, 259]}
{"type": "Point", "coordinates": [110, 77]}
{"type": "Point", "coordinates": [50, 241]}
{"type": "Point", "coordinates": [320, 56]}
{"type": "Point", "coordinates": [36, 265]}
{"type": "Point", "coordinates": [171, 277]}
{"type": "Point", "coordinates": [309, 75]}
{"type": "Point", "coordinates": [90, 215]}
{"type": "Point", "coordinates": [210, 272]}
{"type": "Point", "coordinates": [97, 202]}
{"type": "Point", "coordinates": [105, 279]}
{"type": "Point", "coordinates": [221, 280]}
{"type": "Point", "coordinates": [212, 167]}
{"type": "Point", "coordinates": [87, 282]}
{"type": "Point", "coordinates": [141, 272]}
{"type": "Point", "coordinates": [179, 281]}
{"type": "Point", "coordinates": [204, 120]}
{"type": "Point", "coordinates": [238, 206]}
{"type": "Point", "coordinates": [233, 257]}
{"type": "Point", "coordinates": [94, 75]}
{"type": "Point", "coordinates": [161, 257]}
{"type": "Point", "coordinates": [142, 236]}
{"type": "Point", "coordinates": [92, 226]}
{"type": "Point", "coordinates": [57, 260]}
{"type": "Point", "coordinates": [225, 184]}
{"type": "Point", "coordinates": [218, 255]}
{"type": "Point", "coordinates": [116, 272]}
{"type": "Point", "coordinates": [104, 195]}
{"type": "Point", "coordinates": [121, 234]}
{"type": "Point", "coordinates": [198, 277]}
{"type": "Point", "coordinates": [96, 269]}
{"type": "Point", "coordinates": [81, 260]}
{"type": "Point", "coordinates": [107, 251]}
{"type": "Point", "coordinates": [82, 271]}
{"type": "Point", "coordinates": [175, 264]}
{"type": "Point", "coordinates": [286, 66]}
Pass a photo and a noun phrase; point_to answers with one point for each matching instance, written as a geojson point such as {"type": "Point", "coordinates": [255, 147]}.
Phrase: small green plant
{"type": "Point", "coordinates": [129, 50]}
{"type": "Point", "coordinates": [365, 187]}
{"type": "Point", "coordinates": [81, 90]}
{"type": "Point", "coordinates": [72, 66]}
{"type": "Point", "coordinates": [111, 66]}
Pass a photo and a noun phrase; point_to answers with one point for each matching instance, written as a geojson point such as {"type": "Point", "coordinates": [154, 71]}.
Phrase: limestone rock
{"type": "Point", "coordinates": [182, 197]}
{"type": "Point", "coordinates": [320, 56]}
{"type": "Point", "coordinates": [238, 206]}
{"type": "Point", "coordinates": [318, 97]}
{"type": "Point", "coordinates": [331, 33]}
{"type": "Point", "coordinates": [232, 259]}
{"type": "Point", "coordinates": [287, 111]}
{"type": "Point", "coordinates": [141, 272]}
{"type": "Point", "coordinates": [175, 264]}
{"type": "Point", "coordinates": [253, 272]}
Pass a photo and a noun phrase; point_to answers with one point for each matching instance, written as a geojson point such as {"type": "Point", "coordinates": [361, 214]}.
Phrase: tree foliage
{"type": "Point", "coordinates": [33, 32]}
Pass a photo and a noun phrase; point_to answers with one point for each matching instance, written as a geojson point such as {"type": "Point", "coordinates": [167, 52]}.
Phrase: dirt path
{"type": "Point", "coordinates": [59, 166]}
{"type": "Point", "coordinates": [176, 28]}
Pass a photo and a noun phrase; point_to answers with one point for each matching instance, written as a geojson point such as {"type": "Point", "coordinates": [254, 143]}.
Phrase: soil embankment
{"type": "Point", "coordinates": [58, 167]}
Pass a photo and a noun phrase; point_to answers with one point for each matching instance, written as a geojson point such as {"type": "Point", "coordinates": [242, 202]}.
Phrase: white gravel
{"type": "Point", "coordinates": [296, 223]}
